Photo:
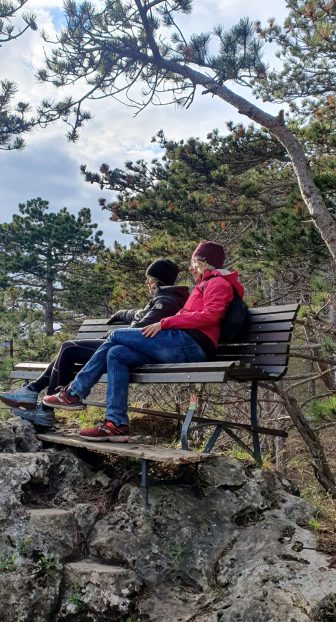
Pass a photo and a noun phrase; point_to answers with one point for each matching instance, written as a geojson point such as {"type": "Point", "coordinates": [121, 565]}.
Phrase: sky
{"type": "Point", "coordinates": [48, 167]}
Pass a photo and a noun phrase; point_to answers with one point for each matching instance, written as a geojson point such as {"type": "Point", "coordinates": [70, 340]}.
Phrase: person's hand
{"type": "Point", "coordinates": [151, 330]}
{"type": "Point", "coordinates": [112, 319]}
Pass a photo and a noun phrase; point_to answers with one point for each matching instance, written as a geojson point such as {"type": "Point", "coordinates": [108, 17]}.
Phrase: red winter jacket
{"type": "Point", "coordinates": [207, 304]}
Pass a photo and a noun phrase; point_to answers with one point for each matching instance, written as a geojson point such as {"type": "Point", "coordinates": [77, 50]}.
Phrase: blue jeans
{"type": "Point", "coordinates": [124, 349]}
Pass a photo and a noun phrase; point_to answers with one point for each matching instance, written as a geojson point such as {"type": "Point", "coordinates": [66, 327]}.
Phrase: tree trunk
{"type": "Point", "coordinates": [322, 219]}
{"type": "Point", "coordinates": [49, 309]}
{"type": "Point", "coordinates": [319, 460]}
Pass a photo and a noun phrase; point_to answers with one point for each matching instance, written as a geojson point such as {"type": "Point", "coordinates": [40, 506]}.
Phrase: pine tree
{"type": "Point", "coordinates": [13, 118]}
{"type": "Point", "coordinates": [38, 249]}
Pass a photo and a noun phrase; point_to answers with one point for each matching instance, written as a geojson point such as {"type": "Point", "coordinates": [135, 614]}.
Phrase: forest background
{"type": "Point", "coordinates": [265, 190]}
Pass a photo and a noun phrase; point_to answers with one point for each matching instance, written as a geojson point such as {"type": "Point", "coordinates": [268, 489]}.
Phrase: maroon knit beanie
{"type": "Point", "coordinates": [211, 252]}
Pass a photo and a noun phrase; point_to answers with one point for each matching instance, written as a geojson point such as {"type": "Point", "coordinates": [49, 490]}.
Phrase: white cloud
{"type": "Point", "coordinates": [49, 166]}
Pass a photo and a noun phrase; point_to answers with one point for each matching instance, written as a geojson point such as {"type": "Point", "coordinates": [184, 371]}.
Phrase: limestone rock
{"type": "Point", "coordinates": [225, 552]}
{"type": "Point", "coordinates": [29, 592]}
{"type": "Point", "coordinates": [52, 530]}
{"type": "Point", "coordinates": [85, 515]}
{"type": "Point", "coordinates": [17, 435]}
{"type": "Point", "coordinates": [226, 472]}
{"type": "Point", "coordinates": [181, 532]}
{"type": "Point", "coordinates": [16, 470]}
{"type": "Point", "coordinates": [232, 547]}
{"type": "Point", "coordinates": [71, 477]}
{"type": "Point", "coordinates": [97, 592]}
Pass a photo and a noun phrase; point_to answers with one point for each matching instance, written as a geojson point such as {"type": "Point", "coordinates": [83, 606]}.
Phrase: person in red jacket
{"type": "Point", "coordinates": [190, 335]}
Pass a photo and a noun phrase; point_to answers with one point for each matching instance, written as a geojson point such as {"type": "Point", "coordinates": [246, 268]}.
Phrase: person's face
{"type": "Point", "coordinates": [151, 284]}
{"type": "Point", "coordinates": [197, 268]}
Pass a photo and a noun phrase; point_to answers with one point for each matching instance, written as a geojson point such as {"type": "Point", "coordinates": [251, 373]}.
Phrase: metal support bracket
{"type": "Point", "coordinates": [254, 422]}
{"type": "Point", "coordinates": [187, 421]}
{"type": "Point", "coordinates": [213, 438]}
{"type": "Point", "coordinates": [144, 483]}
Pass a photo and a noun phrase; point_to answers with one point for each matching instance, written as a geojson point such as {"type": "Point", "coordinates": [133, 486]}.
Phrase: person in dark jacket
{"type": "Point", "coordinates": [166, 299]}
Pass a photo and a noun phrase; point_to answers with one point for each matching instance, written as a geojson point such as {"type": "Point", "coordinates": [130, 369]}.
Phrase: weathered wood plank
{"type": "Point", "coordinates": [145, 377]}
{"type": "Point", "coordinates": [129, 450]}
{"type": "Point", "coordinates": [98, 335]}
{"type": "Point", "coordinates": [24, 375]}
{"type": "Point", "coordinates": [36, 365]}
{"type": "Point", "coordinates": [268, 337]}
{"type": "Point", "coordinates": [264, 327]}
{"type": "Point", "coordinates": [257, 373]}
{"type": "Point", "coordinates": [170, 377]}
{"type": "Point", "coordinates": [275, 309]}
{"type": "Point", "coordinates": [169, 367]}
{"type": "Point", "coordinates": [96, 328]}
{"type": "Point", "coordinates": [94, 321]}
{"type": "Point", "coordinates": [160, 367]}
{"type": "Point", "coordinates": [272, 317]}
{"type": "Point", "coordinates": [257, 348]}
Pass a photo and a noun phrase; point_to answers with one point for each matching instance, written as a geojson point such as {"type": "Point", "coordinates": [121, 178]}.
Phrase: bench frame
{"type": "Point", "coordinates": [261, 354]}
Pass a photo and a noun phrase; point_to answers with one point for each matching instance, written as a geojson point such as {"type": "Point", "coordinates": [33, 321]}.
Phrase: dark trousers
{"type": "Point", "coordinates": [64, 367]}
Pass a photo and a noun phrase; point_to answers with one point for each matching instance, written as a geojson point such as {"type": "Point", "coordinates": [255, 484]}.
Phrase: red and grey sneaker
{"type": "Point", "coordinates": [106, 431]}
{"type": "Point", "coordinates": [65, 399]}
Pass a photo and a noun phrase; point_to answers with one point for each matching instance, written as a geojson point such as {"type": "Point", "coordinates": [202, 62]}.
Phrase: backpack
{"type": "Point", "coordinates": [236, 320]}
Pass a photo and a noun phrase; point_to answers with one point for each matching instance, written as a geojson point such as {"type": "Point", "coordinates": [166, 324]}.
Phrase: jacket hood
{"type": "Point", "coordinates": [231, 277]}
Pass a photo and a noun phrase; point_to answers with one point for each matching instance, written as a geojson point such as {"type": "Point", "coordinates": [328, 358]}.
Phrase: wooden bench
{"type": "Point", "coordinates": [261, 354]}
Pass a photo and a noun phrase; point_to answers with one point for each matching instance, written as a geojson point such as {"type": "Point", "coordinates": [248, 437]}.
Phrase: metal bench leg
{"type": "Point", "coordinates": [254, 422]}
{"type": "Point", "coordinates": [187, 421]}
{"type": "Point", "coordinates": [144, 479]}
{"type": "Point", "coordinates": [213, 438]}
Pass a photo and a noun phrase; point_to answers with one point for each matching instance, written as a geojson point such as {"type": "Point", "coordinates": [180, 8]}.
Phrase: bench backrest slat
{"type": "Point", "coordinates": [261, 327]}
{"type": "Point", "coordinates": [271, 317]}
{"type": "Point", "coordinates": [94, 335]}
{"type": "Point", "coordinates": [258, 348]}
{"type": "Point", "coordinates": [275, 309]}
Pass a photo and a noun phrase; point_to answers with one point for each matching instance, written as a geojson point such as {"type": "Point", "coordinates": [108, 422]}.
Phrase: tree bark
{"type": "Point", "coordinates": [49, 309]}
{"type": "Point", "coordinates": [319, 460]}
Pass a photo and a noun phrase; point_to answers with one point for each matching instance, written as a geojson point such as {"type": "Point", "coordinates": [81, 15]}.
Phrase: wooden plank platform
{"type": "Point", "coordinates": [128, 450]}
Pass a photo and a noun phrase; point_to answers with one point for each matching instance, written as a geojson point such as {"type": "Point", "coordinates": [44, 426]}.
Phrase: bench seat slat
{"type": "Point", "coordinates": [249, 373]}
{"type": "Point", "coordinates": [24, 375]}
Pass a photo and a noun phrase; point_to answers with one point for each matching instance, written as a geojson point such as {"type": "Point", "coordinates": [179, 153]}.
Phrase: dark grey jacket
{"type": "Point", "coordinates": [166, 301]}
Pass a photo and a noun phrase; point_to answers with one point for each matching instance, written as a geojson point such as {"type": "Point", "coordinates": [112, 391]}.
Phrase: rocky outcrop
{"type": "Point", "coordinates": [232, 546]}
{"type": "Point", "coordinates": [102, 591]}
